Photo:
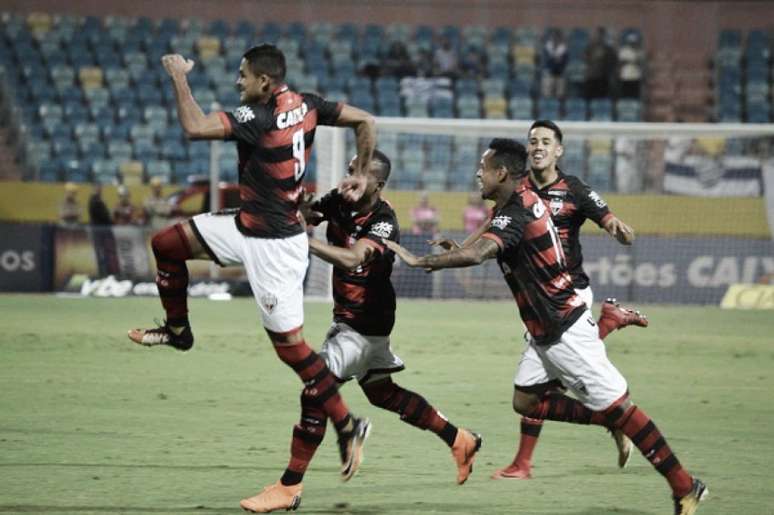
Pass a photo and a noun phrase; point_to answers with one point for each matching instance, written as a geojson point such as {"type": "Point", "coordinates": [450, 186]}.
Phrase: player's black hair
{"type": "Point", "coordinates": [266, 59]}
{"type": "Point", "coordinates": [548, 124]}
{"type": "Point", "coordinates": [509, 154]}
{"type": "Point", "coordinates": [385, 166]}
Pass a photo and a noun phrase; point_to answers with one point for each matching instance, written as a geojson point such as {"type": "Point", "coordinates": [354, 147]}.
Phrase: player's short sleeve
{"type": "Point", "coordinates": [327, 112]}
{"type": "Point", "coordinates": [382, 225]}
{"type": "Point", "coordinates": [328, 204]}
{"type": "Point", "coordinates": [590, 204]}
{"type": "Point", "coordinates": [507, 227]}
{"type": "Point", "coordinates": [246, 123]}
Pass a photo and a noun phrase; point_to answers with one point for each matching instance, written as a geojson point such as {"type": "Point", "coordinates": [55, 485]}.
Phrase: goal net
{"type": "Point", "coordinates": [696, 195]}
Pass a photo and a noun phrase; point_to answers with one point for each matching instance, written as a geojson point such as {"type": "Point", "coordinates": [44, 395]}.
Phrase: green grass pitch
{"type": "Point", "coordinates": [91, 423]}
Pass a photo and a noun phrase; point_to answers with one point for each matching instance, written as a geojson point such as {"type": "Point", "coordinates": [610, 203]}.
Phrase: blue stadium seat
{"type": "Point", "coordinates": [601, 109]}
{"type": "Point", "coordinates": [521, 108]}
{"type": "Point", "coordinates": [575, 109]}
{"type": "Point", "coordinates": [628, 110]}
{"type": "Point", "coordinates": [548, 108]}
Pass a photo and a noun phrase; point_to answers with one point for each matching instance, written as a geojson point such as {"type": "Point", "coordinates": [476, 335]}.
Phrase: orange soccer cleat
{"type": "Point", "coordinates": [274, 497]}
{"type": "Point", "coordinates": [466, 445]}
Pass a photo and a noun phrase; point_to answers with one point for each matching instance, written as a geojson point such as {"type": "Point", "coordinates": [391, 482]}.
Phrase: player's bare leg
{"type": "Point", "coordinates": [172, 247]}
{"type": "Point", "coordinates": [416, 411]}
{"type": "Point", "coordinates": [613, 317]}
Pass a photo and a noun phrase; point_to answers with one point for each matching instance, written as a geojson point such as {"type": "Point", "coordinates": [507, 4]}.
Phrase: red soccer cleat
{"type": "Point", "coordinates": [622, 317]}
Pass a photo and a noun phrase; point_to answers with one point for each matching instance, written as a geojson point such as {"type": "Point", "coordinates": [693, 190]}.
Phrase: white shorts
{"type": "Point", "coordinates": [350, 354]}
{"type": "Point", "coordinates": [579, 361]}
{"type": "Point", "coordinates": [274, 267]}
{"type": "Point", "coordinates": [586, 295]}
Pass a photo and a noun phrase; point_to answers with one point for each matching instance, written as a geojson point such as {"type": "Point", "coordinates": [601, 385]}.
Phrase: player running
{"type": "Point", "coordinates": [358, 342]}
{"type": "Point", "coordinates": [570, 202]}
{"type": "Point", "coordinates": [564, 343]}
{"type": "Point", "coordinates": [274, 129]}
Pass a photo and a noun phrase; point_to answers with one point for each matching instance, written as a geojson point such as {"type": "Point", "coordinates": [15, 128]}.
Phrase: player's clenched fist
{"type": "Point", "coordinates": [176, 64]}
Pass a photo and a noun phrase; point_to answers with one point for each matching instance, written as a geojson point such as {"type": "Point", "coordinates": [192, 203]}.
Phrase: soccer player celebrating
{"type": "Point", "coordinates": [358, 342]}
{"type": "Point", "coordinates": [274, 130]}
{"type": "Point", "coordinates": [564, 342]}
{"type": "Point", "coordinates": [570, 202]}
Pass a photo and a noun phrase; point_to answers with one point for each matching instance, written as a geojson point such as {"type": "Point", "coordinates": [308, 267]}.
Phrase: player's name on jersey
{"type": "Point", "coordinates": [749, 296]}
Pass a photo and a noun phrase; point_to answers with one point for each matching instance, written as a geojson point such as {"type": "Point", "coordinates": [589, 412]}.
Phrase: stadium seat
{"type": "Point", "coordinates": [575, 109]}
{"type": "Point", "coordinates": [105, 171]}
{"type": "Point", "coordinates": [548, 108]}
{"type": "Point", "coordinates": [495, 108]}
{"type": "Point", "coordinates": [521, 107]}
{"type": "Point", "coordinates": [601, 109]}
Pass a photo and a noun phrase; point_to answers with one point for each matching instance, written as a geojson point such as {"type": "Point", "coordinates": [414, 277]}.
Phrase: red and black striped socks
{"type": "Point", "coordinates": [645, 435]}
{"type": "Point", "coordinates": [171, 250]}
{"type": "Point", "coordinates": [412, 408]}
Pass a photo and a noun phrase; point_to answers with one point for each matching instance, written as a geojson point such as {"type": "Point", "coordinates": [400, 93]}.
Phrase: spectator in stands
{"type": "Point", "coordinates": [600, 65]}
{"type": "Point", "coordinates": [158, 209]}
{"type": "Point", "coordinates": [125, 213]}
{"type": "Point", "coordinates": [472, 65]}
{"type": "Point", "coordinates": [475, 213]}
{"type": "Point", "coordinates": [424, 217]}
{"type": "Point", "coordinates": [102, 234]}
{"type": "Point", "coordinates": [397, 62]}
{"type": "Point", "coordinates": [70, 210]}
{"type": "Point", "coordinates": [98, 211]}
{"type": "Point", "coordinates": [630, 57]}
{"type": "Point", "coordinates": [554, 60]}
{"type": "Point", "coordinates": [445, 61]}
{"type": "Point", "coordinates": [425, 66]}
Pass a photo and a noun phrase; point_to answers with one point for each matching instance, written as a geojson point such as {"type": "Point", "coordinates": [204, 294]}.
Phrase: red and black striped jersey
{"type": "Point", "coordinates": [532, 261]}
{"type": "Point", "coordinates": [364, 298]}
{"type": "Point", "coordinates": [571, 201]}
{"type": "Point", "coordinates": [274, 141]}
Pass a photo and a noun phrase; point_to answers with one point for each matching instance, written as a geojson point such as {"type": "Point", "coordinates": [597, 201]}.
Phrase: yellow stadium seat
{"type": "Point", "coordinates": [132, 172]}
{"type": "Point", "coordinates": [600, 147]}
{"type": "Point", "coordinates": [90, 77]}
{"type": "Point", "coordinates": [711, 146]}
{"type": "Point", "coordinates": [208, 46]}
{"type": "Point", "coordinates": [39, 22]}
{"type": "Point", "coordinates": [495, 108]}
{"type": "Point", "coordinates": [523, 54]}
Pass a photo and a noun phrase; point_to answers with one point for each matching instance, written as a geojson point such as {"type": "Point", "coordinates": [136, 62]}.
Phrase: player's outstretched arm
{"type": "Point", "coordinates": [619, 230]}
{"type": "Point", "coordinates": [476, 254]}
{"type": "Point", "coordinates": [195, 123]}
{"type": "Point", "coordinates": [346, 259]}
{"type": "Point", "coordinates": [364, 125]}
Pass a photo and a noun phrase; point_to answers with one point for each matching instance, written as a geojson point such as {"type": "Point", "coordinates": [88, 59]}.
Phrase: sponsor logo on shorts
{"type": "Point", "coordinates": [269, 301]}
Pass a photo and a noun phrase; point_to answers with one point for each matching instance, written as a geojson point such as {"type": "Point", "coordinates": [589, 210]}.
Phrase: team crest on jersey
{"type": "Point", "coordinates": [556, 205]}
{"type": "Point", "coordinates": [538, 209]}
{"type": "Point", "coordinates": [269, 302]}
{"type": "Point", "coordinates": [244, 114]}
{"type": "Point", "coordinates": [381, 230]}
{"type": "Point", "coordinates": [501, 222]}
